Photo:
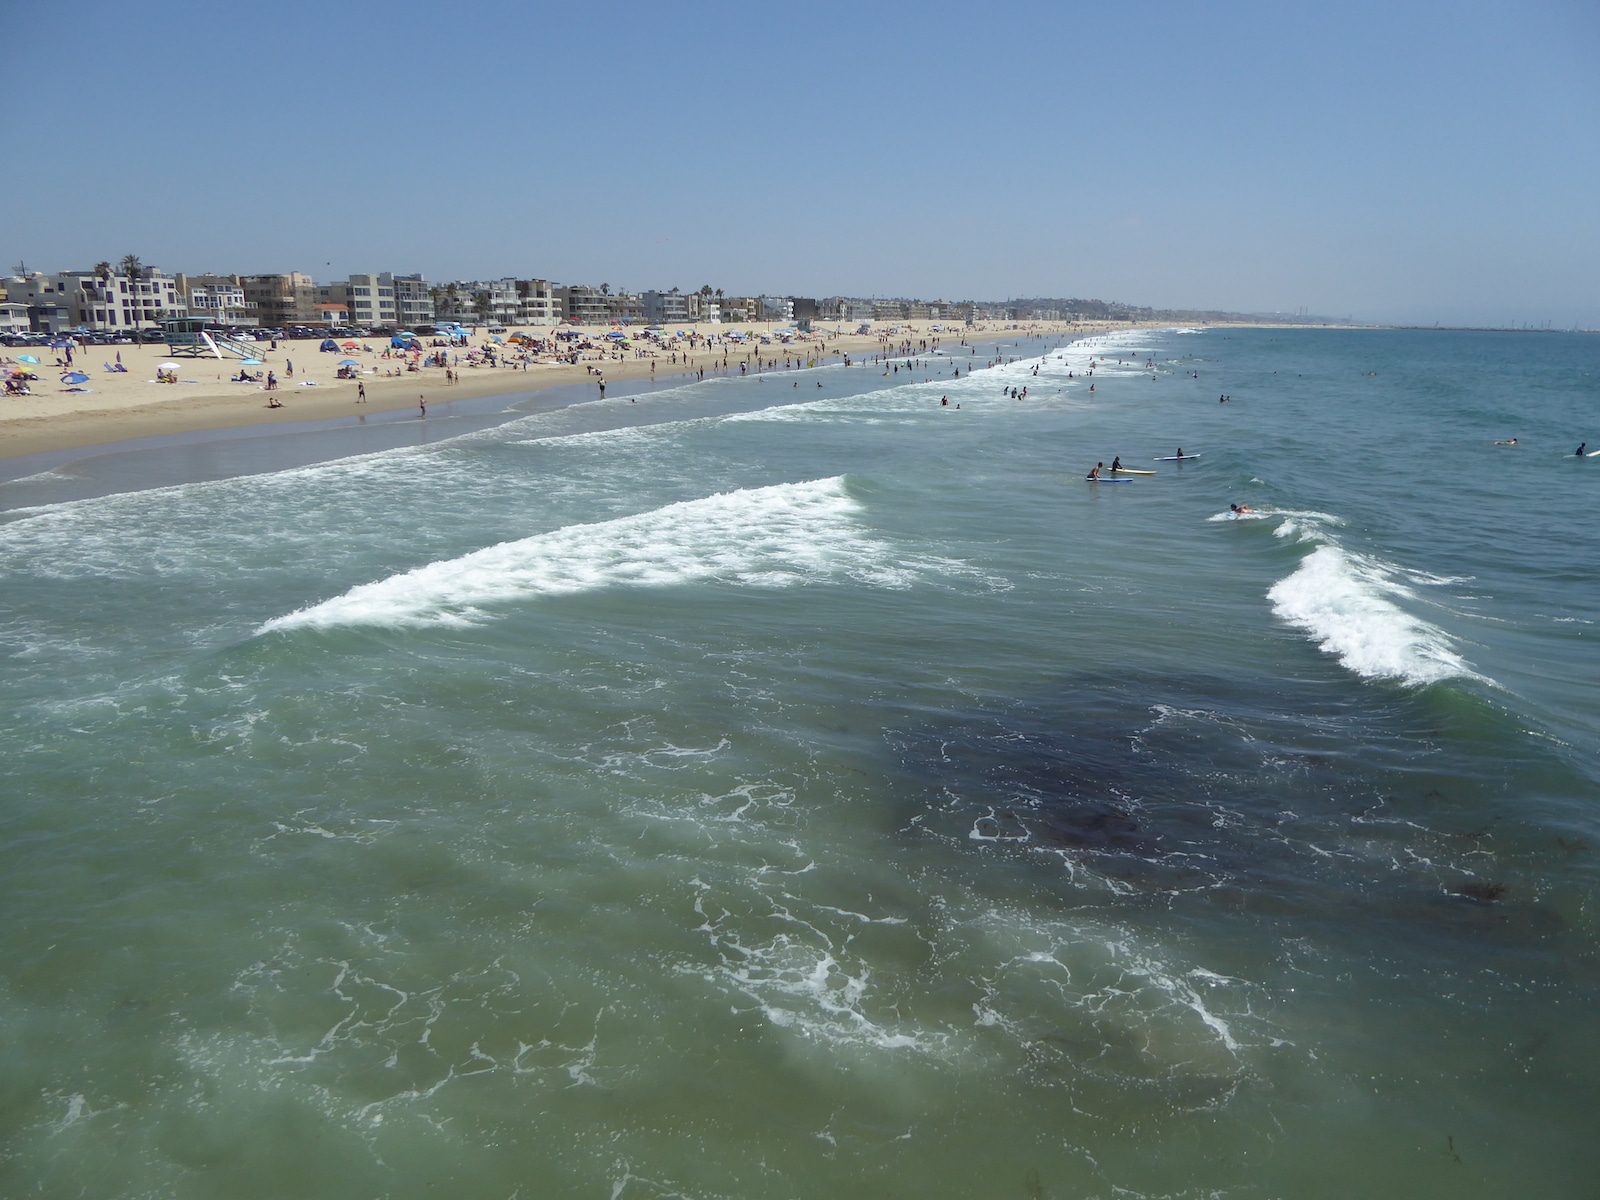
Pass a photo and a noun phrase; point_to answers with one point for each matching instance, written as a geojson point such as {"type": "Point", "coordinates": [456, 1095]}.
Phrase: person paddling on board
{"type": "Point", "coordinates": [1116, 464]}
{"type": "Point", "coordinates": [1180, 451]}
{"type": "Point", "coordinates": [1095, 473]}
{"type": "Point", "coordinates": [1578, 453]}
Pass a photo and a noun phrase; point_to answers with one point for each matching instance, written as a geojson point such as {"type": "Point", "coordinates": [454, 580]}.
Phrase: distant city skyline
{"type": "Point", "coordinates": [1406, 163]}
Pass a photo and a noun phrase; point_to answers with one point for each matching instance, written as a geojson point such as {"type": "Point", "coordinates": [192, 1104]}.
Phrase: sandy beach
{"type": "Point", "coordinates": [115, 406]}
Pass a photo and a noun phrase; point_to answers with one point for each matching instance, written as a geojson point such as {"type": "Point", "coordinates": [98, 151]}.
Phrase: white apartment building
{"type": "Point", "coordinates": [664, 307]}
{"type": "Point", "coordinates": [585, 305]}
{"type": "Point", "coordinates": [371, 300]}
{"type": "Point", "coordinates": [537, 303]}
{"type": "Point", "coordinates": [13, 319]}
{"type": "Point", "coordinates": [413, 302]}
{"type": "Point", "coordinates": [219, 297]}
{"type": "Point", "coordinates": [776, 308]}
{"type": "Point", "coordinates": [102, 302]}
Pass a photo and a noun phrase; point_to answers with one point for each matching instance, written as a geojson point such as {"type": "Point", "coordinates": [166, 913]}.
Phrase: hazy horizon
{"type": "Point", "coordinates": [1393, 164]}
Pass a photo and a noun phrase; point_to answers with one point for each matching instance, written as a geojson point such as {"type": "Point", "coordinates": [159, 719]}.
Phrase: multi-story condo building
{"type": "Point", "coordinates": [99, 300]}
{"type": "Point", "coordinates": [585, 305]}
{"type": "Point", "coordinates": [413, 302]}
{"type": "Point", "coordinates": [848, 308]}
{"type": "Point", "coordinates": [284, 299]}
{"type": "Point", "coordinates": [537, 303]}
{"type": "Point", "coordinates": [371, 300]}
{"type": "Point", "coordinates": [663, 307]}
{"type": "Point", "coordinates": [219, 297]}
{"type": "Point", "coordinates": [627, 308]}
{"type": "Point", "coordinates": [14, 318]}
{"type": "Point", "coordinates": [776, 308]}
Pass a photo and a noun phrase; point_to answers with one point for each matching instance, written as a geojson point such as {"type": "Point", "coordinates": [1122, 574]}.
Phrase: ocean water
{"type": "Point", "coordinates": [746, 789]}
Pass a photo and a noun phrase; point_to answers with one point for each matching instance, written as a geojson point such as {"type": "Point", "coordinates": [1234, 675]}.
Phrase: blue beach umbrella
{"type": "Point", "coordinates": [28, 358]}
{"type": "Point", "coordinates": [348, 362]}
{"type": "Point", "coordinates": [75, 377]}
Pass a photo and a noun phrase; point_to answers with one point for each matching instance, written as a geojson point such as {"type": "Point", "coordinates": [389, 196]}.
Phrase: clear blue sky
{"type": "Point", "coordinates": [1390, 161]}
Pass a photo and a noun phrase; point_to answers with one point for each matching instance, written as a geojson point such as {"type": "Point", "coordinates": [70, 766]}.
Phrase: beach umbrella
{"type": "Point", "coordinates": [351, 345]}
{"type": "Point", "coordinates": [348, 362]}
{"type": "Point", "coordinates": [167, 366]}
{"type": "Point", "coordinates": [28, 358]}
{"type": "Point", "coordinates": [75, 377]}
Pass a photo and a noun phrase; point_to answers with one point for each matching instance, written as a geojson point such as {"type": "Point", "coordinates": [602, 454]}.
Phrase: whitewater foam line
{"type": "Point", "coordinates": [1346, 602]}
{"type": "Point", "coordinates": [776, 536]}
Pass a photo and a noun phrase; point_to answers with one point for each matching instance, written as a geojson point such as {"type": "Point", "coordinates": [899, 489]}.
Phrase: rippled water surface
{"type": "Point", "coordinates": [745, 789]}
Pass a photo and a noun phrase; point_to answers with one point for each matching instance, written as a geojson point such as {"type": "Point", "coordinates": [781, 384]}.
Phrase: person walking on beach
{"type": "Point", "coordinates": [361, 393]}
{"type": "Point", "coordinates": [422, 404]}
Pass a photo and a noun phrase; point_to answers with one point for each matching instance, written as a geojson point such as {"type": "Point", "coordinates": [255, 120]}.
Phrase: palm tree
{"type": "Point", "coordinates": [103, 269]}
{"type": "Point", "coordinates": [481, 305]}
{"type": "Point", "coordinates": [132, 268]}
{"type": "Point", "coordinates": [605, 289]}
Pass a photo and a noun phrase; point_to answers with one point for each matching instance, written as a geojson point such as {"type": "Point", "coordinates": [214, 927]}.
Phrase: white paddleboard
{"type": "Point", "coordinates": [1175, 458]}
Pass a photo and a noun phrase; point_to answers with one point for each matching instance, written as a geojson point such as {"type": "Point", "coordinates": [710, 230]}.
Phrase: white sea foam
{"type": "Point", "coordinates": [1346, 603]}
{"type": "Point", "coordinates": [767, 537]}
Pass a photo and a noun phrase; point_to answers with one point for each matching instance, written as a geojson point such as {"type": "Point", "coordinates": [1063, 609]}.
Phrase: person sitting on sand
{"type": "Point", "coordinates": [274, 402]}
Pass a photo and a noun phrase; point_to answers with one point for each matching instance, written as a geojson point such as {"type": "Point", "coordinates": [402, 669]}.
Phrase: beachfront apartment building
{"type": "Point", "coordinates": [14, 319]}
{"type": "Point", "coordinates": [99, 301]}
{"type": "Point", "coordinates": [507, 301]}
{"type": "Point", "coordinates": [371, 300]}
{"type": "Point", "coordinates": [221, 298]}
{"type": "Point", "coordinates": [662, 308]}
{"type": "Point", "coordinates": [627, 308]}
{"type": "Point", "coordinates": [585, 305]}
{"type": "Point", "coordinates": [413, 302]}
{"type": "Point", "coordinates": [848, 308]}
{"type": "Point", "coordinates": [776, 308]}
{"type": "Point", "coordinates": [289, 298]}
{"type": "Point", "coordinates": [537, 303]}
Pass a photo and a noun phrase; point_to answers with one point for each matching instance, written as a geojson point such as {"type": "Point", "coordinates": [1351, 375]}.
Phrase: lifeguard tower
{"type": "Point", "coordinates": [188, 337]}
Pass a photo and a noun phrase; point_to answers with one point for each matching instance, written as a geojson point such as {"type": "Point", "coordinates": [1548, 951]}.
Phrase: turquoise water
{"type": "Point", "coordinates": [745, 789]}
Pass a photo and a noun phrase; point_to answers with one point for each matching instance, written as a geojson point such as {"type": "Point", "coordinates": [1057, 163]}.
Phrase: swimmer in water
{"type": "Point", "coordinates": [1240, 509]}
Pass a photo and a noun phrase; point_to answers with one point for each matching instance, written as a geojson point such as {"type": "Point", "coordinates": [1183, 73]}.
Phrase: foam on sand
{"type": "Point", "coordinates": [774, 536]}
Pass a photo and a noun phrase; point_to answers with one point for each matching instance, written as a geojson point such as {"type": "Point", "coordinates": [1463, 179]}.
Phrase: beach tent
{"type": "Point", "coordinates": [328, 344]}
{"type": "Point", "coordinates": [75, 377]}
